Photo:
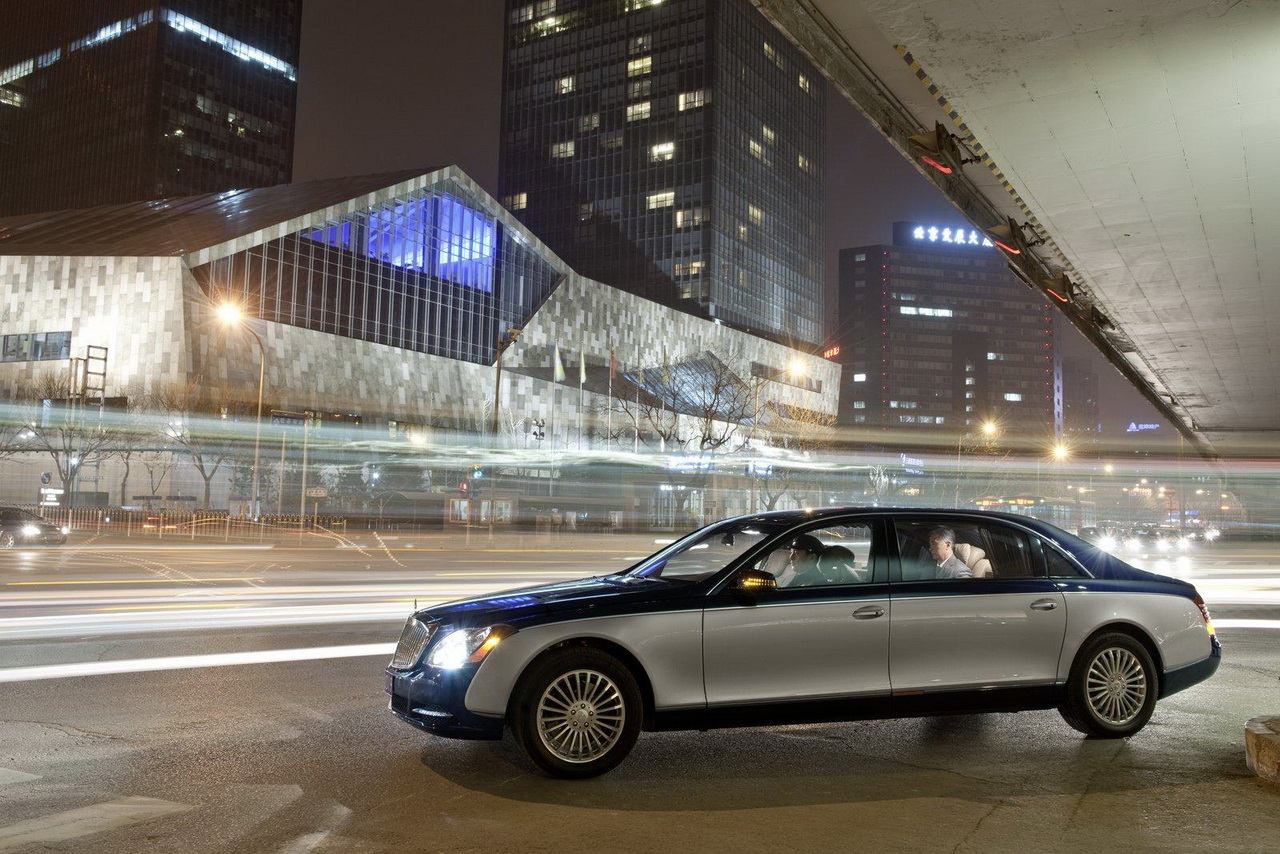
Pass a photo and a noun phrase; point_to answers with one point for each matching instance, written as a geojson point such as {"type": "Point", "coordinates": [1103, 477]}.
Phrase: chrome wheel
{"type": "Point", "coordinates": [1116, 686]}
{"type": "Point", "coordinates": [581, 715]}
{"type": "Point", "coordinates": [6, 540]}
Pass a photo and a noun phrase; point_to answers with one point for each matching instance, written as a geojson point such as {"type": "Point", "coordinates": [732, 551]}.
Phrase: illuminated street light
{"type": "Point", "coordinates": [989, 429]}
{"type": "Point", "coordinates": [1061, 452]}
{"type": "Point", "coordinates": [232, 317]}
{"type": "Point", "coordinates": [1108, 468]}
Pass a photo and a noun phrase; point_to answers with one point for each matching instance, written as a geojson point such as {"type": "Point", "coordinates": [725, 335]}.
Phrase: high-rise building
{"type": "Point", "coordinates": [936, 335]}
{"type": "Point", "coordinates": [112, 102]}
{"type": "Point", "coordinates": [672, 149]}
{"type": "Point", "coordinates": [1081, 419]}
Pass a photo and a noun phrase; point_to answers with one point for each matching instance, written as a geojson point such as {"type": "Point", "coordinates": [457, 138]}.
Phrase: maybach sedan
{"type": "Point", "coordinates": [803, 617]}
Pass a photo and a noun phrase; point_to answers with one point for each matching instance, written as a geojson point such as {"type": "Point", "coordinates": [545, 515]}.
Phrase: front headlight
{"type": "Point", "coordinates": [1162, 545]}
{"type": "Point", "coordinates": [1107, 543]}
{"type": "Point", "coordinates": [29, 530]}
{"type": "Point", "coordinates": [1184, 543]}
{"type": "Point", "coordinates": [466, 646]}
{"type": "Point", "coordinates": [66, 530]}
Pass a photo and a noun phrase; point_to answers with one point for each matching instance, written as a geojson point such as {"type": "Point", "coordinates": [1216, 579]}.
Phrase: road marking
{"type": "Point", "coordinates": [190, 662]}
{"type": "Point", "coordinates": [1245, 624]}
{"type": "Point", "coordinates": [86, 821]}
{"type": "Point", "coordinates": [8, 775]}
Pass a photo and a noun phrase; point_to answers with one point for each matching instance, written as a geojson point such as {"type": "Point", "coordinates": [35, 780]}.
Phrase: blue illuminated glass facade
{"type": "Point", "coordinates": [112, 102]}
{"type": "Point", "coordinates": [674, 150]}
{"type": "Point", "coordinates": [434, 271]}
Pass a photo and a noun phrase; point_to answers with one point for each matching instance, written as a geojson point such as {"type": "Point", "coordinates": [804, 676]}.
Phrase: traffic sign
{"type": "Point", "coordinates": [317, 492]}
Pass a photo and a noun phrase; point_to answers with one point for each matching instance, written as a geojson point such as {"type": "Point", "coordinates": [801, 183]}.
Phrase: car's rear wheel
{"type": "Point", "coordinates": [1112, 689]}
{"type": "Point", "coordinates": [577, 712]}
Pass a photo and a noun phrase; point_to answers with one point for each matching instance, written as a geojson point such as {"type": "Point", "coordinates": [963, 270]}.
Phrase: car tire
{"type": "Point", "coordinates": [6, 540]}
{"type": "Point", "coordinates": [1113, 687]}
{"type": "Point", "coordinates": [577, 712]}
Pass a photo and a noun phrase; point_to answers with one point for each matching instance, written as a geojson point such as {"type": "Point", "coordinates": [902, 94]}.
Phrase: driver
{"type": "Point", "coordinates": [802, 565]}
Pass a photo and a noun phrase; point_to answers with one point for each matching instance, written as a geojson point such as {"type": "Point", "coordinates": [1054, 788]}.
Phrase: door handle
{"type": "Point", "coordinates": [1043, 605]}
{"type": "Point", "coordinates": [870, 612]}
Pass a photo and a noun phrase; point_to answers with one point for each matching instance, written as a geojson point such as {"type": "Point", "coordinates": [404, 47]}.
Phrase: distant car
{"type": "Point", "coordinates": [21, 528]}
{"type": "Point", "coordinates": [807, 616]}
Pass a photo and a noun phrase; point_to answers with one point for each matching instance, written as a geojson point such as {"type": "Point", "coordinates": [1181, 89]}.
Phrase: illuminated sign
{"type": "Point", "coordinates": [1135, 427]}
{"type": "Point", "coordinates": [831, 352]}
{"type": "Point", "coordinates": [956, 236]}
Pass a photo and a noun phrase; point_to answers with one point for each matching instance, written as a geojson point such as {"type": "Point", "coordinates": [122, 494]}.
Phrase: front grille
{"type": "Point", "coordinates": [413, 640]}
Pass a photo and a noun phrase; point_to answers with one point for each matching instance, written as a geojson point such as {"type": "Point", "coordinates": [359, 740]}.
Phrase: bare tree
{"type": "Point", "coordinates": [186, 409]}
{"type": "Point", "coordinates": [800, 433]}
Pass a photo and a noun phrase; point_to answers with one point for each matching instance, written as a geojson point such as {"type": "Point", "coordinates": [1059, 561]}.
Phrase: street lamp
{"type": "Point", "coordinates": [795, 369]}
{"type": "Point", "coordinates": [990, 431]}
{"type": "Point", "coordinates": [232, 317]}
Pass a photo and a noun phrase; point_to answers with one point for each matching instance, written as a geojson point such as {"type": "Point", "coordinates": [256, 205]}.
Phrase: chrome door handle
{"type": "Point", "coordinates": [1043, 605]}
{"type": "Point", "coordinates": [868, 613]}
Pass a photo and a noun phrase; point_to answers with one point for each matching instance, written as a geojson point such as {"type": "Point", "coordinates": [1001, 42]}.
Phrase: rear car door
{"type": "Point", "coordinates": [1002, 628]}
{"type": "Point", "coordinates": [824, 635]}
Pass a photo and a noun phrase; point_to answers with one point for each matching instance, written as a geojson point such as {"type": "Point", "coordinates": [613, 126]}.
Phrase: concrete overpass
{"type": "Point", "coordinates": [1138, 139]}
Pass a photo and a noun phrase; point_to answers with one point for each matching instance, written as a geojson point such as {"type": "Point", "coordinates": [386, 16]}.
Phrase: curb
{"type": "Point", "coordinates": [1262, 747]}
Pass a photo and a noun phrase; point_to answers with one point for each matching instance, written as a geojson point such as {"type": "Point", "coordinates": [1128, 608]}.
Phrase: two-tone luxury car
{"type": "Point", "coordinates": [21, 528]}
{"type": "Point", "coordinates": [807, 616]}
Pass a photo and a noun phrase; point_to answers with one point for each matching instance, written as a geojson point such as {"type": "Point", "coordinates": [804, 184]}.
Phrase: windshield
{"type": "Point", "coordinates": [706, 551]}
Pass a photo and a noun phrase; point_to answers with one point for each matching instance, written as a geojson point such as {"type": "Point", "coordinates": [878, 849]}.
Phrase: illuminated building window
{"type": "Point", "coordinates": [773, 55]}
{"type": "Point", "coordinates": [907, 419]}
{"type": "Point", "coordinates": [768, 134]}
{"type": "Point", "coordinates": [859, 404]}
{"type": "Point", "coordinates": [640, 5]}
{"type": "Point", "coordinates": [662, 151]}
{"type": "Point", "coordinates": [995, 357]}
{"type": "Point", "coordinates": [522, 15]}
{"type": "Point", "coordinates": [688, 269]}
{"type": "Point", "coordinates": [756, 149]}
{"type": "Point", "coordinates": [562, 150]}
{"type": "Point", "coordinates": [903, 404]}
{"type": "Point", "coordinates": [805, 164]}
{"type": "Point", "coordinates": [1013, 397]}
{"type": "Point", "coordinates": [755, 215]}
{"type": "Point", "coordinates": [636, 112]}
{"type": "Point", "coordinates": [637, 67]}
{"type": "Point", "coordinates": [565, 85]}
{"type": "Point", "coordinates": [805, 86]}
{"type": "Point", "coordinates": [689, 217]}
{"type": "Point", "coordinates": [859, 378]}
{"type": "Point", "coordinates": [693, 100]}
{"type": "Point", "coordinates": [641, 44]}
{"type": "Point", "coordinates": [546, 7]}
{"type": "Point", "coordinates": [516, 201]}
{"type": "Point", "coordinates": [236, 48]}
{"type": "Point", "coordinates": [586, 124]}
{"type": "Point", "coordinates": [639, 88]}
{"type": "Point", "coordinates": [969, 380]}
{"type": "Point", "coordinates": [665, 199]}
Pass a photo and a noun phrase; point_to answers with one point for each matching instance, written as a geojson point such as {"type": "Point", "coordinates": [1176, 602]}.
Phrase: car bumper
{"type": "Point", "coordinates": [432, 699]}
{"type": "Point", "coordinates": [44, 538]}
{"type": "Point", "coordinates": [1181, 678]}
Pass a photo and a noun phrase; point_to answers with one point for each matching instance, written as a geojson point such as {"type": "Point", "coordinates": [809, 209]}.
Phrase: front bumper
{"type": "Point", "coordinates": [44, 538]}
{"type": "Point", "coordinates": [433, 699]}
{"type": "Point", "coordinates": [1182, 678]}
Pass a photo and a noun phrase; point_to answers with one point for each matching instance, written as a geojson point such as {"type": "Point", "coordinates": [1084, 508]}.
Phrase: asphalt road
{"type": "Point", "coordinates": [212, 754]}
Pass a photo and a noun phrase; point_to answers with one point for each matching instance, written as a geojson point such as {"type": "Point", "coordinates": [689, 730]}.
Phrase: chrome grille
{"type": "Point", "coordinates": [413, 640]}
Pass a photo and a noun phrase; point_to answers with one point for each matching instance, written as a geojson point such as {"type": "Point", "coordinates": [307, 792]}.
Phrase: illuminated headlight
{"type": "Point", "coordinates": [1211, 535]}
{"type": "Point", "coordinates": [66, 530]}
{"type": "Point", "coordinates": [1162, 545]}
{"type": "Point", "coordinates": [30, 531]}
{"type": "Point", "coordinates": [1134, 545]}
{"type": "Point", "coordinates": [466, 646]}
{"type": "Point", "coordinates": [1107, 543]}
{"type": "Point", "coordinates": [1184, 543]}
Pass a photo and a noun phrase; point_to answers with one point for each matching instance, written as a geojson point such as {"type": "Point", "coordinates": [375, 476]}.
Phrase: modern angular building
{"type": "Point", "coordinates": [936, 336]}
{"type": "Point", "coordinates": [112, 102]}
{"type": "Point", "coordinates": [672, 149]}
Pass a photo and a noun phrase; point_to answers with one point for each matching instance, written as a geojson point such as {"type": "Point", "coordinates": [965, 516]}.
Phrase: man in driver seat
{"type": "Point", "coordinates": [942, 549]}
{"type": "Point", "coordinates": [802, 566]}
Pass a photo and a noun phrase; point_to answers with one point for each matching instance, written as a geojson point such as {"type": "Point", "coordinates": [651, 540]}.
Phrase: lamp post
{"type": "Point", "coordinates": [1059, 452]}
{"type": "Point", "coordinates": [233, 317]}
{"type": "Point", "coordinates": [990, 430]}
{"type": "Point", "coordinates": [795, 369]}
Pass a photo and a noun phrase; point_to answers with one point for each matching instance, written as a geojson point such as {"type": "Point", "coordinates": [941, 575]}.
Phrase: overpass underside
{"type": "Point", "coordinates": [1139, 143]}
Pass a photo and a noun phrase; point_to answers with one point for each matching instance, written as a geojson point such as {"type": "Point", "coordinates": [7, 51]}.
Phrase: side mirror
{"type": "Point", "coordinates": [751, 582]}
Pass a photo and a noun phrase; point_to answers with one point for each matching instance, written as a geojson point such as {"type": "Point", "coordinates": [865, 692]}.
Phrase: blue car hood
{"type": "Point", "coordinates": [603, 593]}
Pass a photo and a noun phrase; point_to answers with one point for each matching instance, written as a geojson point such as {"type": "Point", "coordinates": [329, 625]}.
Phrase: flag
{"type": "Point", "coordinates": [582, 367]}
{"type": "Point", "coordinates": [613, 365]}
{"type": "Point", "coordinates": [559, 366]}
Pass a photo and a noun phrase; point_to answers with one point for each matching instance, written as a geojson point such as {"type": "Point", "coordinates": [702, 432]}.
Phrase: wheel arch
{"type": "Point", "coordinates": [1136, 632]}
{"type": "Point", "coordinates": [613, 648]}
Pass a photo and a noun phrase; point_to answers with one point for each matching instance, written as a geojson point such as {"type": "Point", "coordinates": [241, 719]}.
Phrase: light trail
{"type": "Point", "coordinates": [189, 662]}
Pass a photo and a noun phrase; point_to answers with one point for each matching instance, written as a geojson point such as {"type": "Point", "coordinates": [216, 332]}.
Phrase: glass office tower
{"type": "Point", "coordinates": [936, 335]}
{"type": "Point", "coordinates": [111, 102]}
{"type": "Point", "coordinates": [672, 149]}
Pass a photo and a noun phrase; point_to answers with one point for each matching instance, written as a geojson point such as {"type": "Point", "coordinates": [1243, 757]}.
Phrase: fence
{"type": "Point", "coordinates": [192, 525]}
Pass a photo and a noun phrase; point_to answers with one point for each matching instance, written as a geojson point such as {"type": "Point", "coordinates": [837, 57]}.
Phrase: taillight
{"type": "Point", "coordinates": [1204, 612]}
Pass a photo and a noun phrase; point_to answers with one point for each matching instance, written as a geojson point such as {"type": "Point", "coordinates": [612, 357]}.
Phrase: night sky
{"type": "Point", "coordinates": [387, 85]}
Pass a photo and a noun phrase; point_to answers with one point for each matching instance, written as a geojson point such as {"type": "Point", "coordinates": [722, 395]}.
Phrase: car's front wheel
{"type": "Point", "coordinates": [6, 540]}
{"type": "Point", "coordinates": [577, 712]}
{"type": "Point", "coordinates": [1112, 689]}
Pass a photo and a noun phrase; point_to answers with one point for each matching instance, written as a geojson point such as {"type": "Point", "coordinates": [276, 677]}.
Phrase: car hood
{"type": "Point", "coordinates": [607, 594]}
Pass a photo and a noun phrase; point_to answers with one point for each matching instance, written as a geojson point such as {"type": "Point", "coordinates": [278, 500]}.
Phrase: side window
{"type": "Point", "coordinates": [833, 555]}
{"type": "Point", "coordinates": [945, 549]}
{"type": "Point", "coordinates": [1059, 566]}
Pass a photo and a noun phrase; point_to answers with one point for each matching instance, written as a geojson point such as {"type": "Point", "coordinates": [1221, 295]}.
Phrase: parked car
{"type": "Point", "coordinates": [807, 616]}
{"type": "Point", "coordinates": [21, 528]}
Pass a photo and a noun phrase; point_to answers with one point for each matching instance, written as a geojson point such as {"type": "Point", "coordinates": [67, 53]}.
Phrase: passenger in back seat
{"type": "Point", "coordinates": [942, 549]}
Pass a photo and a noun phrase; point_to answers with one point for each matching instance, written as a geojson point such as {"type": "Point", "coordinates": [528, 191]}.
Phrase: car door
{"type": "Point", "coordinates": [824, 635]}
{"type": "Point", "coordinates": [1004, 628]}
